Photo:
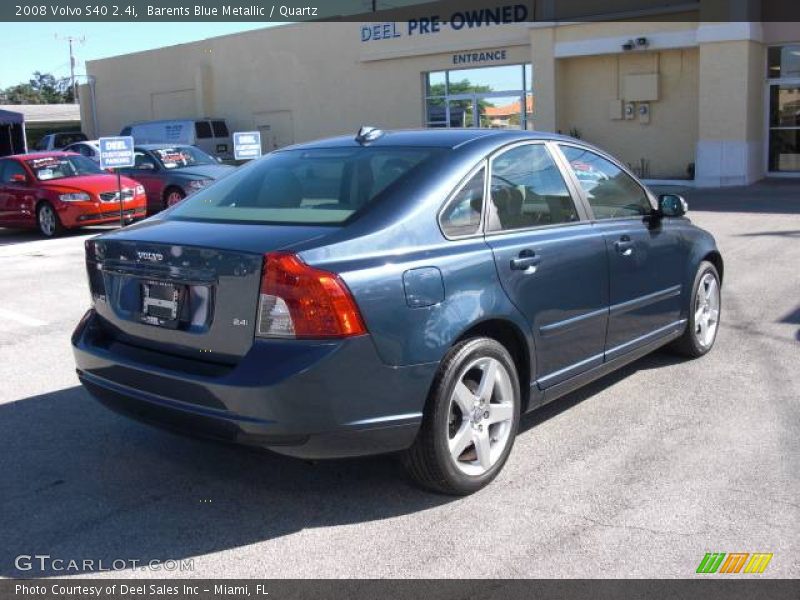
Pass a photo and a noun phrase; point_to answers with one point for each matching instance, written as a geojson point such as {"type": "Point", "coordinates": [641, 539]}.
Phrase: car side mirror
{"type": "Point", "coordinates": [19, 178]}
{"type": "Point", "coordinates": [672, 205]}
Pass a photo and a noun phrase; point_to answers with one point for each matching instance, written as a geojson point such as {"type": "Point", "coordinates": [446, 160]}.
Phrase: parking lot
{"type": "Point", "coordinates": [638, 475]}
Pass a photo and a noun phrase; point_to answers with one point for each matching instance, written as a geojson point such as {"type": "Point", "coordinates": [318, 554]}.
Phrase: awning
{"type": "Point", "coordinates": [8, 117]}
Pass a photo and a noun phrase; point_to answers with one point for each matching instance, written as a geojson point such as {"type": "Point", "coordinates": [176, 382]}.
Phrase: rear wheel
{"type": "Point", "coordinates": [48, 221]}
{"type": "Point", "coordinates": [470, 421]}
{"type": "Point", "coordinates": [705, 308]}
{"type": "Point", "coordinates": [172, 196]}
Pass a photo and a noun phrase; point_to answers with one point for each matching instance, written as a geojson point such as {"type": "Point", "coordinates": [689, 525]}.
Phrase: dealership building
{"type": "Point", "coordinates": [708, 103]}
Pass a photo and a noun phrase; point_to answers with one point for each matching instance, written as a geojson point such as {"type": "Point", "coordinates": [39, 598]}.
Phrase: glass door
{"type": "Point", "coordinates": [784, 128]}
{"type": "Point", "coordinates": [498, 97]}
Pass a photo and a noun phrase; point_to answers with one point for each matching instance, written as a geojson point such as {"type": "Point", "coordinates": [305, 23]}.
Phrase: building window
{"type": "Point", "coordinates": [783, 61]}
{"type": "Point", "coordinates": [783, 65]}
{"type": "Point", "coordinates": [496, 97]}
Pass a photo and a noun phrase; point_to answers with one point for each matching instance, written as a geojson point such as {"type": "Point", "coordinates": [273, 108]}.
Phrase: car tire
{"type": "Point", "coordinates": [47, 220]}
{"type": "Point", "coordinates": [172, 196]}
{"type": "Point", "coordinates": [460, 450]}
{"type": "Point", "coordinates": [704, 311]}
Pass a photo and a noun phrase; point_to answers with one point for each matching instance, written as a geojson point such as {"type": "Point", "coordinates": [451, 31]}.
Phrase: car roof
{"type": "Point", "coordinates": [159, 146]}
{"type": "Point", "coordinates": [90, 142]}
{"type": "Point", "coordinates": [159, 121]}
{"type": "Point", "coordinates": [434, 138]}
{"type": "Point", "coordinates": [33, 155]}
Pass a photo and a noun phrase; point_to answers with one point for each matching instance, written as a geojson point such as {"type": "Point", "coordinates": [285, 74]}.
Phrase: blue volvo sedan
{"type": "Point", "coordinates": [411, 292]}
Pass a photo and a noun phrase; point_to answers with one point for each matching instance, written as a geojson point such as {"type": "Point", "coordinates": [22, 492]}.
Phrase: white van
{"type": "Point", "coordinates": [211, 135]}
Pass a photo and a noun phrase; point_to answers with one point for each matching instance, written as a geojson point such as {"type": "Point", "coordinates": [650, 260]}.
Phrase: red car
{"type": "Point", "coordinates": [53, 191]}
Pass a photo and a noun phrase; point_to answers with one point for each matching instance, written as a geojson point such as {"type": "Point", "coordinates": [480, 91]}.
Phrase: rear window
{"type": "Point", "coordinates": [318, 186]}
{"type": "Point", "coordinates": [220, 128]}
{"type": "Point", "coordinates": [65, 139]}
{"type": "Point", "coordinates": [202, 129]}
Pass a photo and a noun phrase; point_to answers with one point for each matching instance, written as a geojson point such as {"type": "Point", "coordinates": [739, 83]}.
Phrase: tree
{"type": "Point", "coordinates": [460, 110]}
{"type": "Point", "coordinates": [43, 88]}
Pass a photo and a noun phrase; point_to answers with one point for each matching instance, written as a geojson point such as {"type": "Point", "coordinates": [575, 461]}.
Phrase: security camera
{"type": "Point", "coordinates": [642, 41]}
{"type": "Point", "coordinates": [627, 46]}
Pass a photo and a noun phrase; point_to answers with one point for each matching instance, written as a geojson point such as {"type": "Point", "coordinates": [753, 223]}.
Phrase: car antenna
{"type": "Point", "coordinates": [368, 134]}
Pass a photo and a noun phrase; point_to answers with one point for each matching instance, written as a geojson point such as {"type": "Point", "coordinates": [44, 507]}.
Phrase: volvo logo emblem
{"type": "Point", "coordinates": [151, 256]}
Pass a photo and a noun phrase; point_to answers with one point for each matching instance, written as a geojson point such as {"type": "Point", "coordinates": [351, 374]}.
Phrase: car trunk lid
{"type": "Point", "coordinates": [190, 289]}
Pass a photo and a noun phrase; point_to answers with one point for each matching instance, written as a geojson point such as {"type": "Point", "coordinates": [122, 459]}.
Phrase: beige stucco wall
{"type": "Point", "coordinates": [323, 74]}
{"type": "Point", "coordinates": [667, 142]}
{"type": "Point", "coordinates": [731, 124]}
{"type": "Point", "coordinates": [311, 80]}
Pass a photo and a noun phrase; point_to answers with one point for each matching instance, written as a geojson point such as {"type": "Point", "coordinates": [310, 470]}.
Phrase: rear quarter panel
{"type": "Point", "coordinates": [400, 234]}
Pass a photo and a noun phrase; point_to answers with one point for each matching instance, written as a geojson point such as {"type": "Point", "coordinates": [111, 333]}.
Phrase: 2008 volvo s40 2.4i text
{"type": "Point", "coordinates": [409, 291]}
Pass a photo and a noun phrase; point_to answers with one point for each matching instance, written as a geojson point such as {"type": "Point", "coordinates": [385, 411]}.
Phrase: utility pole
{"type": "Point", "coordinates": [72, 39]}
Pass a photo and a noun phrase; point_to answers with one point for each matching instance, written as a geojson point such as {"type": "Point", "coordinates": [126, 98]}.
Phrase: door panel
{"type": "Point", "coordinates": [276, 127]}
{"type": "Point", "coordinates": [645, 257]}
{"type": "Point", "coordinates": [552, 265]}
{"type": "Point", "coordinates": [17, 199]}
{"type": "Point", "coordinates": [645, 271]}
{"type": "Point", "coordinates": [151, 179]}
{"type": "Point", "coordinates": [563, 294]}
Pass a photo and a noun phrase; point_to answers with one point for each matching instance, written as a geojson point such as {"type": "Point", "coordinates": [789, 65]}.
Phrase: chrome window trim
{"type": "Point", "coordinates": [582, 217]}
{"type": "Point", "coordinates": [452, 196]}
{"type": "Point", "coordinates": [592, 217]}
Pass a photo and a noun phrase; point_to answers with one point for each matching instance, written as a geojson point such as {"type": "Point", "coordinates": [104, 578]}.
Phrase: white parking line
{"type": "Point", "coordinates": [19, 318]}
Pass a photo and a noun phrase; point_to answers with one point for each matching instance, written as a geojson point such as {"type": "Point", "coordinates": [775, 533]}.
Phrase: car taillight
{"type": "Point", "coordinates": [300, 301]}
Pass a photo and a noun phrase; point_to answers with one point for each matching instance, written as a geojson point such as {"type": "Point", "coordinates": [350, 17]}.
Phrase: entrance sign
{"type": "Point", "coordinates": [246, 145]}
{"type": "Point", "coordinates": [116, 152]}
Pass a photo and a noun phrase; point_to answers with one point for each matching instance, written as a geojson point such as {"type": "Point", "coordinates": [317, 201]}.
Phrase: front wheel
{"type": "Point", "coordinates": [173, 196]}
{"type": "Point", "coordinates": [705, 308]}
{"type": "Point", "coordinates": [48, 221]}
{"type": "Point", "coordinates": [470, 421]}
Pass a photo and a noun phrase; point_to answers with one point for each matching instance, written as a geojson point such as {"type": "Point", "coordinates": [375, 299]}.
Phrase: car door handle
{"type": "Point", "coordinates": [624, 245]}
{"type": "Point", "coordinates": [526, 260]}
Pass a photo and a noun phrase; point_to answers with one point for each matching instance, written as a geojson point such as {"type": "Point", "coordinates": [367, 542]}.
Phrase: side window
{"type": "Point", "coordinates": [527, 190]}
{"type": "Point", "coordinates": [462, 215]}
{"type": "Point", "coordinates": [143, 162]}
{"type": "Point", "coordinates": [202, 130]}
{"type": "Point", "coordinates": [9, 168]}
{"type": "Point", "coordinates": [220, 129]}
{"type": "Point", "coordinates": [611, 192]}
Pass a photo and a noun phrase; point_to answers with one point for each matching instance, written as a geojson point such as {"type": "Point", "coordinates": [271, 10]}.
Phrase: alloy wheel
{"type": "Point", "coordinates": [706, 310]}
{"type": "Point", "coordinates": [47, 220]}
{"type": "Point", "coordinates": [173, 198]}
{"type": "Point", "coordinates": [481, 415]}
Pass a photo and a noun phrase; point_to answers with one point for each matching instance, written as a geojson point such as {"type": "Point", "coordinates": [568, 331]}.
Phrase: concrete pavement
{"type": "Point", "coordinates": [639, 475]}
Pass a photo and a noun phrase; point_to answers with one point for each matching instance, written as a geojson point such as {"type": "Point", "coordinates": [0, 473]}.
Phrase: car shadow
{"type": "Point", "coordinates": [655, 360]}
{"type": "Point", "coordinates": [20, 236]}
{"type": "Point", "coordinates": [82, 483]}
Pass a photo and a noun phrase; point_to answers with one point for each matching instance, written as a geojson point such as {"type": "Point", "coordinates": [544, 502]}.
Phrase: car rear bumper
{"type": "Point", "coordinates": [305, 399]}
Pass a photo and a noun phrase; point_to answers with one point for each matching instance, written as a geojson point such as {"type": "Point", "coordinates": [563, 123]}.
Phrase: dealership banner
{"type": "Point", "coordinates": [428, 589]}
{"type": "Point", "coordinates": [428, 15]}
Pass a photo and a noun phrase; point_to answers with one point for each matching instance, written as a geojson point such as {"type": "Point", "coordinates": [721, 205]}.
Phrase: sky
{"type": "Point", "coordinates": [34, 46]}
